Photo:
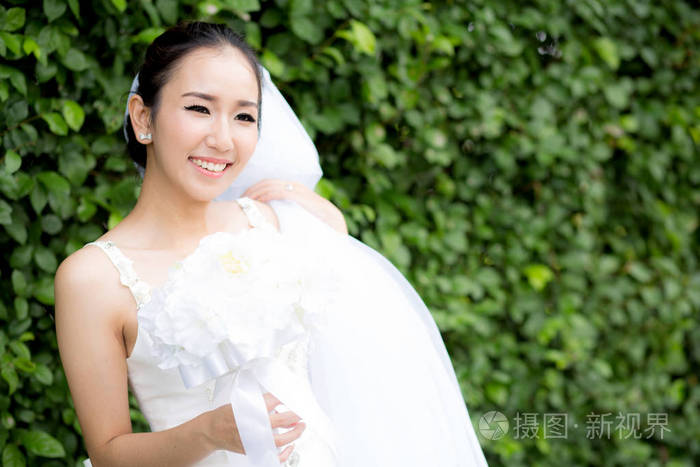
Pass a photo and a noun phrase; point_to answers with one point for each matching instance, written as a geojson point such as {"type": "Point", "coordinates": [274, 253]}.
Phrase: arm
{"type": "Point", "coordinates": [89, 335]}
{"type": "Point", "coordinates": [272, 189]}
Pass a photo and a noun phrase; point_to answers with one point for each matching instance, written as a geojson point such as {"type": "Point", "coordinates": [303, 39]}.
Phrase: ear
{"type": "Point", "coordinates": [140, 117]}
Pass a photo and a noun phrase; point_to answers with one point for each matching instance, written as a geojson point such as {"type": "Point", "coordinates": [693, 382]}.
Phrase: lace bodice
{"type": "Point", "coordinates": [162, 397]}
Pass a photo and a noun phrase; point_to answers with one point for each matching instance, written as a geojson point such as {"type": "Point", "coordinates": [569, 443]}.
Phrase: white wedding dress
{"type": "Point", "coordinates": [377, 372]}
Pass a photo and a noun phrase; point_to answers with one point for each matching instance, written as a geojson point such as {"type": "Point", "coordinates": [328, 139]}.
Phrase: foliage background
{"type": "Point", "coordinates": [532, 167]}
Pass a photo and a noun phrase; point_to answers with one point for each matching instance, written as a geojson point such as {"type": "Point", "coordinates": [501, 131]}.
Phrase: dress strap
{"type": "Point", "coordinates": [127, 276]}
{"type": "Point", "coordinates": [251, 210]}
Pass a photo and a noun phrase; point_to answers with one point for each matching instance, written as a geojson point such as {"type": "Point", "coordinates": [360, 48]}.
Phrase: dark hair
{"type": "Point", "coordinates": [164, 53]}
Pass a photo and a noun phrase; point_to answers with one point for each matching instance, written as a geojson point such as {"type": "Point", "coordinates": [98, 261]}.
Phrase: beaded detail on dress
{"type": "Point", "coordinates": [127, 276]}
{"type": "Point", "coordinates": [255, 217]}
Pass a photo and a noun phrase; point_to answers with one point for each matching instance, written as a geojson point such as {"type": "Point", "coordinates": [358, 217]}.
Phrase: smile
{"type": "Point", "coordinates": [210, 168]}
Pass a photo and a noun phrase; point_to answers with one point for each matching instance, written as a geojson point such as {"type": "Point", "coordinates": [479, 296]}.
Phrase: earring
{"type": "Point", "coordinates": [144, 135]}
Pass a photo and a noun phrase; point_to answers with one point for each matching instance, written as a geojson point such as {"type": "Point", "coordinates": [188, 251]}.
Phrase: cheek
{"type": "Point", "coordinates": [190, 128]}
{"type": "Point", "coordinates": [182, 129]}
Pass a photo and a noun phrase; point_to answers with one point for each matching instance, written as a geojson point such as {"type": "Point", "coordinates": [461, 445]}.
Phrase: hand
{"type": "Point", "coordinates": [274, 189]}
{"type": "Point", "coordinates": [223, 431]}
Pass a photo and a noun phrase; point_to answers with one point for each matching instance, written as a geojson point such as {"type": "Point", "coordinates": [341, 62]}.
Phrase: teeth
{"type": "Point", "coordinates": [209, 165]}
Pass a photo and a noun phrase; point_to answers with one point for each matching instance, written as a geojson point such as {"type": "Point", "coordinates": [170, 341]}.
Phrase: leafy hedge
{"type": "Point", "coordinates": [532, 167]}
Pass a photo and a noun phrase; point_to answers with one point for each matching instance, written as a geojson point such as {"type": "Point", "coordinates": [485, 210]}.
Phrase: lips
{"type": "Point", "coordinates": [210, 169]}
{"type": "Point", "coordinates": [213, 160]}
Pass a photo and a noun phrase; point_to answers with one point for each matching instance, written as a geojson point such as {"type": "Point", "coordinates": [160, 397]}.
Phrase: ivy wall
{"type": "Point", "coordinates": [531, 166]}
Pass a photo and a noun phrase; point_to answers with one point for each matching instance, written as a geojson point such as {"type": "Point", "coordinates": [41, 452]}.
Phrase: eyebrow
{"type": "Point", "coordinates": [209, 97]}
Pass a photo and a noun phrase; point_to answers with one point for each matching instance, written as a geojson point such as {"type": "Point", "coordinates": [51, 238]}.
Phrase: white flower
{"type": "Point", "coordinates": [257, 289]}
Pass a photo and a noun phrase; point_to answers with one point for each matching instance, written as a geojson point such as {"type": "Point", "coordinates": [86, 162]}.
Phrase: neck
{"type": "Point", "coordinates": [169, 217]}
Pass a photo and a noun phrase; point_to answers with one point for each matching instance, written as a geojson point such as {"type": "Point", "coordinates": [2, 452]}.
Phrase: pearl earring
{"type": "Point", "coordinates": [144, 135]}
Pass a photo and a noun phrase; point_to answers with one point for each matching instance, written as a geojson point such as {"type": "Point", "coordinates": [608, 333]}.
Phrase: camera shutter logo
{"type": "Point", "coordinates": [493, 425]}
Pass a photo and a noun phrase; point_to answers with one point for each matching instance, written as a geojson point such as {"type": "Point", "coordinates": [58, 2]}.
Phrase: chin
{"type": "Point", "coordinates": [215, 190]}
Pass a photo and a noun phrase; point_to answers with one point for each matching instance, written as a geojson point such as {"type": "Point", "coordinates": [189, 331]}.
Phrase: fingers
{"type": "Point", "coordinates": [262, 185]}
{"type": "Point", "coordinates": [284, 455]}
{"type": "Point", "coordinates": [291, 435]}
{"type": "Point", "coordinates": [272, 195]}
{"type": "Point", "coordinates": [271, 401]}
{"type": "Point", "coordinates": [272, 189]}
{"type": "Point", "coordinates": [284, 419]}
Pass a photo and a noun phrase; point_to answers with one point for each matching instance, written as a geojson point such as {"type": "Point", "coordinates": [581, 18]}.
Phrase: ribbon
{"type": "Point", "coordinates": [253, 377]}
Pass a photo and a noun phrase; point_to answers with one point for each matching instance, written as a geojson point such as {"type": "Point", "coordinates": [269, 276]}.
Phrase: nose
{"type": "Point", "coordinates": [220, 137]}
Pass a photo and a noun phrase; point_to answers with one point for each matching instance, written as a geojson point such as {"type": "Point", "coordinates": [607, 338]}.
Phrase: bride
{"type": "Point", "coordinates": [250, 327]}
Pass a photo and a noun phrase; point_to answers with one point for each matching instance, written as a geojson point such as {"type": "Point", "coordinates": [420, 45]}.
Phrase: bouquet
{"type": "Point", "coordinates": [256, 290]}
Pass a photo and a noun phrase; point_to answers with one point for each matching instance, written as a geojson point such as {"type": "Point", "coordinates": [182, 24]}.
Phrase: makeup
{"type": "Point", "coordinates": [209, 173]}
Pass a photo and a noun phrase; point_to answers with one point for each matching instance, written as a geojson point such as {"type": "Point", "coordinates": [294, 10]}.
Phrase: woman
{"type": "Point", "coordinates": [365, 383]}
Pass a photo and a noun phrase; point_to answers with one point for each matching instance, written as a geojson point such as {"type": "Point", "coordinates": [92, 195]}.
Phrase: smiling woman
{"type": "Point", "coordinates": [270, 337]}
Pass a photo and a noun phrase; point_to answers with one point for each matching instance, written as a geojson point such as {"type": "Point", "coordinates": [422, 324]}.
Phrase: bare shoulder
{"type": "Point", "coordinates": [84, 266]}
{"type": "Point", "coordinates": [87, 268]}
{"type": "Point", "coordinates": [268, 212]}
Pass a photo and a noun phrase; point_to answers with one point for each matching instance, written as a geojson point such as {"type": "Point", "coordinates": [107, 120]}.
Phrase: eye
{"type": "Point", "coordinates": [246, 117]}
{"type": "Point", "coordinates": [197, 108]}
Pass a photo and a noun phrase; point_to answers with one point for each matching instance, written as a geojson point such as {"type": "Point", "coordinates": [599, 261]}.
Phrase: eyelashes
{"type": "Point", "coordinates": [204, 110]}
{"type": "Point", "coordinates": [197, 108]}
{"type": "Point", "coordinates": [246, 117]}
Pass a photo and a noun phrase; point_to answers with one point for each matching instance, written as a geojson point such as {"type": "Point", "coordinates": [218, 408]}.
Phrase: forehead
{"type": "Point", "coordinates": [223, 70]}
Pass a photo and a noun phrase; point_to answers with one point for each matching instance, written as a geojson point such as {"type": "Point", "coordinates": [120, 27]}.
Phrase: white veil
{"type": "Point", "coordinates": [381, 372]}
{"type": "Point", "coordinates": [285, 151]}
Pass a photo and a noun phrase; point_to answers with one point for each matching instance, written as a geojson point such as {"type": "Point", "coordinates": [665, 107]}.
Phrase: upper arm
{"type": "Point", "coordinates": [89, 335]}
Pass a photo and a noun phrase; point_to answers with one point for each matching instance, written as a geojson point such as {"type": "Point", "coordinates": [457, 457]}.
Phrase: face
{"type": "Point", "coordinates": [206, 119]}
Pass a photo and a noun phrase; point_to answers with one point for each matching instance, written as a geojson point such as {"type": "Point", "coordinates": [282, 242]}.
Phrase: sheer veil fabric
{"type": "Point", "coordinates": [379, 369]}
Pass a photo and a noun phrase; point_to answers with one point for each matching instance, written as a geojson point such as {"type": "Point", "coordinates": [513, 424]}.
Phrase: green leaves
{"type": "Point", "coordinates": [504, 40]}
{"type": "Point", "coordinates": [12, 456]}
{"type": "Point", "coordinates": [41, 443]}
{"type": "Point", "coordinates": [607, 50]}
{"type": "Point", "coordinates": [75, 60]}
{"type": "Point", "coordinates": [9, 374]}
{"type": "Point", "coordinates": [147, 35]}
{"type": "Point", "coordinates": [538, 275]}
{"type": "Point", "coordinates": [56, 123]}
{"type": "Point", "coordinates": [53, 9]}
{"type": "Point", "coordinates": [531, 169]}
{"type": "Point", "coordinates": [45, 259]}
{"type": "Point", "coordinates": [54, 183]}
{"type": "Point", "coordinates": [245, 5]}
{"type": "Point", "coordinates": [16, 78]}
{"type": "Point", "coordinates": [5, 212]}
{"type": "Point", "coordinates": [43, 375]}
{"type": "Point", "coordinates": [167, 10]}
{"type": "Point", "coordinates": [13, 161]}
{"type": "Point", "coordinates": [75, 7]}
{"type": "Point", "coordinates": [11, 42]}
{"type": "Point", "coordinates": [120, 5]}
{"type": "Point", "coordinates": [30, 46]}
{"type": "Point", "coordinates": [73, 114]}
{"type": "Point", "coordinates": [360, 36]}
{"type": "Point", "coordinates": [43, 291]}
{"type": "Point", "coordinates": [305, 28]}
{"type": "Point", "coordinates": [273, 63]}
{"type": "Point", "coordinates": [13, 19]}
